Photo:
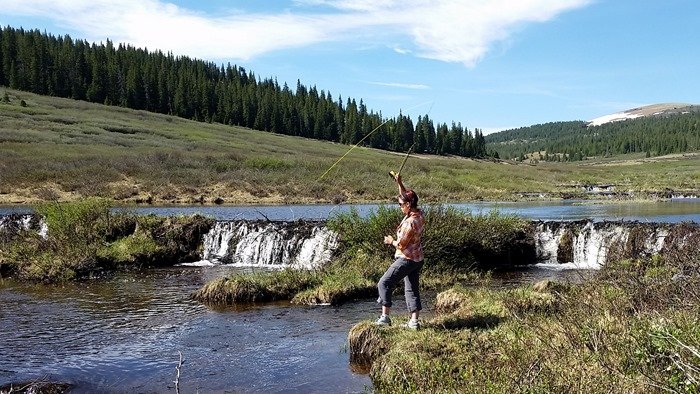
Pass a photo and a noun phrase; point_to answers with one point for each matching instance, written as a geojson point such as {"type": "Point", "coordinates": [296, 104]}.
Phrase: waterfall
{"type": "Point", "coordinates": [588, 244]}
{"type": "Point", "coordinates": [10, 224]}
{"type": "Point", "coordinates": [580, 244]}
{"type": "Point", "coordinates": [271, 244]}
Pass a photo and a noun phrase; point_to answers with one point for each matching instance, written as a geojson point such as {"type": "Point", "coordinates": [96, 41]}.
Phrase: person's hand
{"type": "Point", "coordinates": [397, 178]}
{"type": "Point", "coordinates": [388, 240]}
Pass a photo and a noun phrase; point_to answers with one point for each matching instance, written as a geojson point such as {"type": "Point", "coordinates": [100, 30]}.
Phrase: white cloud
{"type": "Point", "coordinates": [401, 85]}
{"type": "Point", "coordinates": [459, 31]}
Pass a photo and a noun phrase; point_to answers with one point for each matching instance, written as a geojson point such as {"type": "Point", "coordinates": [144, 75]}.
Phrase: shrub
{"type": "Point", "coordinates": [358, 234]}
{"type": "Point", "coordinates": [453, 240]}
{"type": "Point", "coordinates": [75, 233]}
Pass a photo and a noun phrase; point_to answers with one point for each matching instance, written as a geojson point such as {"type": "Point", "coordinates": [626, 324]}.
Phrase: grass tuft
{"type": "Point", "coordinates": [255, 287]}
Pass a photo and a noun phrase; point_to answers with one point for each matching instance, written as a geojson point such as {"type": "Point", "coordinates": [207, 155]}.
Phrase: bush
{"type": "Point", "coordinates": [452, 240]}
{"type": "Point", "coordinates": [75, 232]}
{"type": "Point", "coordinates": [84, 237]}
{"type": "Point", "coordinates": [365, 235]}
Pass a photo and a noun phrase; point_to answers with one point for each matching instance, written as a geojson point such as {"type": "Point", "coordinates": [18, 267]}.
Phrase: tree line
{"type": "Point", "coordinates": [675, 131]}
{"type": "Point", "coordinates": [204, 91]}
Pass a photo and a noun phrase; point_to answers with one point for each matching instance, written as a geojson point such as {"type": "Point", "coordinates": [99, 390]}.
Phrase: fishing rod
{"type": "Point", "coordinates": [408, 152]}
{"type": "Point", "coordinates": [366, 136]}
{"type": "Point", "coordinates": [350, 150]}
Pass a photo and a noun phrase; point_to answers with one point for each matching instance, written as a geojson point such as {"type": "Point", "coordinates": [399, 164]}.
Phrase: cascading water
{"type": "Point", "coordinates": [271, 244]}
{"type": "Point", "coordinates": [23, 222]}
{"type": "Point", "coordinates": [588, 244]}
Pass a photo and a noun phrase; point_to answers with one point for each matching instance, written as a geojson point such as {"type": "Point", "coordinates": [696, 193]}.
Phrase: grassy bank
{"type": "Point", "coordinates": [455, 243]}
{"type": "Point", "coordinates": [60, 149]}
{"type": "Point", "coordinates": [85, 239]}
{"type": "Point", "coordinates": [632, 328]}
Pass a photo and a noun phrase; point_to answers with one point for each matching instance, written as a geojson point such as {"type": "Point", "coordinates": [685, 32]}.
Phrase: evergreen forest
{"type": "Point", "coordinates": [204, 91]}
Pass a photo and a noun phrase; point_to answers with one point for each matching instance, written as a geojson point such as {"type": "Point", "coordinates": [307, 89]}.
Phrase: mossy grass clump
{"type": "Point", "coordinates": [367, 342]}
{"type": "Point", "coordinates": [353, 276]}
{"type": "Point", "coordinates": [256, 287]}
{"type": "Point", "coordinates": [168, 240]}
{"type": "Point", "coordinates": [337, 289]}
{"type": "Point", "coordinates": [130, 250]}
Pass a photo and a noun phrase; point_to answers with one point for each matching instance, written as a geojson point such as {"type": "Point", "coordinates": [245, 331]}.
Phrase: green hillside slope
{"type": "Point", "coordinates": [52, 148]}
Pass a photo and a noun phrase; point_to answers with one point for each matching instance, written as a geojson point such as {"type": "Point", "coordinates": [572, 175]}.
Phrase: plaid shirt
{"type": "Point", "coordinates": [408, 235]}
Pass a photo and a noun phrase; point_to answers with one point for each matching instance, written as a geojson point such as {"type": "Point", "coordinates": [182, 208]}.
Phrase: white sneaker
{"type": "Point", "coordinates": [412, 324]}
{"type": "Point", "coordinates": [383, 320]}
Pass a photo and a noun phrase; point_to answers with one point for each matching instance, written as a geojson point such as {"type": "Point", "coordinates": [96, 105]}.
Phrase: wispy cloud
{"type": "Point", "coordinates": [401, 85]}
{"type": "Point", "coordinates": [460, 31]}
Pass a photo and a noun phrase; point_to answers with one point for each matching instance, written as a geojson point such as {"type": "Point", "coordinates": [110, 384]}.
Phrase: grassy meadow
{"type": "Point", "coordinates": [54, 149]}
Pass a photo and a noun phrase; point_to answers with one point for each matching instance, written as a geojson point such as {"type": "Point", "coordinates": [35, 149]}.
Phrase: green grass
{"type": "Point", "coordinates": [256, 287]}
{"type": "Point", "coordinates": [631, 328]}
{"type": "Point", "coordinates": [67, 150]}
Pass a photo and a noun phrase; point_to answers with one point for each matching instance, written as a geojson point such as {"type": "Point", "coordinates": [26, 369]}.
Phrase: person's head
{"type": "Point", "coordinates": [408, 200]}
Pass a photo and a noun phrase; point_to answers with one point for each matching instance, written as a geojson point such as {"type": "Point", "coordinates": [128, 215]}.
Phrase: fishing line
{"type": "Point", "coordinates": [368, 134]}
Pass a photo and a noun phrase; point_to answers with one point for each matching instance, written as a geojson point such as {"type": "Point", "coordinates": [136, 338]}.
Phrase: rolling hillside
{"type": "Point", "coordinates": [62, 149]}
{"type": "Point", "coordinates": [652, 130]}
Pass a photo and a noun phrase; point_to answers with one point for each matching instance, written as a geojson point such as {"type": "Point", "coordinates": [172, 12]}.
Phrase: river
{"type": "Point", "coordinates": [124, 334]}
{"type": "Point", "coordinates": [668, 211]}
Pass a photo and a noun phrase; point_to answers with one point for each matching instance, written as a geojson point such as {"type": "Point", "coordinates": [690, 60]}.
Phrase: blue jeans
{"type": "Point", "coordinates": [405, 269]}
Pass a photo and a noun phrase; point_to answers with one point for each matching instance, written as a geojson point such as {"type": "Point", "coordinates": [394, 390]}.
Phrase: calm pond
{"type": "Point", "coordinates": [125, 333]}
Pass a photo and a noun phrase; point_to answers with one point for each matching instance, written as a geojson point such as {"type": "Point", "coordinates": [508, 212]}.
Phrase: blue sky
{"type": "Point", "coordinates": [489, 64]}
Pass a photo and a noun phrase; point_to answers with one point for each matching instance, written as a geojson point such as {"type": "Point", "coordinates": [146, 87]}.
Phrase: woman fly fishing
{"type": "Point", "coordinates": [408, 258]}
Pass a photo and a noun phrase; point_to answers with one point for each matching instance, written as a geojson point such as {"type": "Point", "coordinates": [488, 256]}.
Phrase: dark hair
{"type": "Point", "coordinates": [410, 197]}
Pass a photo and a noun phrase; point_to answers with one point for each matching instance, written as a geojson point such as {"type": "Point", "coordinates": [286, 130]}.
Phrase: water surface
{"type": "Point", "coordinates": [668, 211]}
{"type": "Point", "coordinates": [124, 335]}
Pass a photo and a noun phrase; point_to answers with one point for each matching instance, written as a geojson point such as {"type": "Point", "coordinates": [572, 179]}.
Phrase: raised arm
{"type": "Point", "coordinates": [402, 188]}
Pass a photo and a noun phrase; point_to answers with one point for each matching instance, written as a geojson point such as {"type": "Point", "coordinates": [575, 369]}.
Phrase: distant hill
{"type": "Point", "coordinates": [647, 110]}
{"type": "Point", "coordinates": [657, 129]}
